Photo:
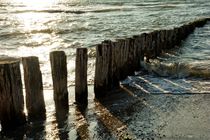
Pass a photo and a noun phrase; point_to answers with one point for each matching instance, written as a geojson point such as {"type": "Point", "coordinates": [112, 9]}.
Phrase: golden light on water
{"type": "Point", "coordinates": [37, 29]}
{"type": "Point", "coordinates": [36, 26]}
{"type": "Point", "coordinates": [37, 4]}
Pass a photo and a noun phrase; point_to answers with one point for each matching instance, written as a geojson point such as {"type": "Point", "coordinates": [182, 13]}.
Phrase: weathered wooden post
{"type": "Point", "coordinates": [130, 65]}
{"type": "Point", "coordinates": [34, 88]}
{"type": "Point", "coordinates": [148, 46]}
{"type": "Point", "coordinates": [172, 38]}
{"type": "Point", "coordinates": [182, 32]}
{"type": "Point", "coordinates": [103, 81]}
{"type": "Point", "coordinates": [120, 43]}
{"type": "Point", "coordinates": [200, 22]}
{"type": "Point", "coordinates": [163, 40]}
{"type": "Point", "coordinates": [81, 92]}
{"type": "Point", "coordinates": [158, 42]}
{"type": "Point", "coordinates": [179, 35]}
{"type": "Point", "coordinates": [108, 59]}
{"type": "Point", "coordinates": [115, 74]}
{"type": "Point", "coordinates": [176, 39]}
{"type": "Point", "coordinates": [125, 57]}
{"type": "Point", "coordinates": [98, 83]}
{"type": "Point", "coordinates": [144, 45]}
{"type": "Point", "coordinates": [186, 31]}
{"type": "Point", "coordinates": [154, 44]}
{"type": "Point", "coordinates": [59, 76]}
{"type": "Point", "coordinates": [137, 51]}
{"type": "Point", "coordinates": [192, 26]}
{"type": "Point", "coordinates": [11, 95]}
{"type": "Point", "coordinates": [169, 34]}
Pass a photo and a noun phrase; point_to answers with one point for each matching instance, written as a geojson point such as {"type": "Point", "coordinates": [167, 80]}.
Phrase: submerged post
{"type": "Point", "coordinates": [11, 95]}
{"type": "Point", "coordinates": [34, 88]}
{"type": "Point", "coordinates": [81, 76]}
{"type": "Point", "coordinates": [59, 77]}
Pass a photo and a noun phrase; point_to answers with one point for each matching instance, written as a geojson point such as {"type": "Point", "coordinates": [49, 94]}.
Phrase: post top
{"type": "Point", "coordinates": [8, 60]}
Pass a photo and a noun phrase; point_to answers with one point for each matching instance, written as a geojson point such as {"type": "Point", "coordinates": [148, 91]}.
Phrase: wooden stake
{"type": "Point", "coordinates": [59, 76]}
{"type": "Point", "coordinates": [115, 64]}
{"type": "Point", "coordinates": [11, 95]}
{"type": "Point", "coordinates": [102, 72]}
{"type": "Point", "coordinates": [81, 91]}
{"type": "Point", "coordinates": [34, 88]}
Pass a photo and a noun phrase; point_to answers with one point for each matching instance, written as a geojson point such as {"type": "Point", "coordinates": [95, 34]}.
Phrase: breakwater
{"type": "Point", "coordinates": [115, 60]}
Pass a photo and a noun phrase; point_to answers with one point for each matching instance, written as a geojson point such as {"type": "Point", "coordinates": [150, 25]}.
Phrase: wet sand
{"type": "Point", "coordinates": [170, 116]}
{"type": "Point", "coordinates": [132, 113]}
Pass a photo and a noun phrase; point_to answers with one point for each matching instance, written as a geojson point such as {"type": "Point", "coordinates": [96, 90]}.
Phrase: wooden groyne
{"type": "Point", "coordinates": [115, 60]}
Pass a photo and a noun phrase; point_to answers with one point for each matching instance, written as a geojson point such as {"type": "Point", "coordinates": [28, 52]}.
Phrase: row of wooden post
{"type": "Point", "coordinates": [114, 62]}
{"type": "Point", "coordinates": [11, 89]}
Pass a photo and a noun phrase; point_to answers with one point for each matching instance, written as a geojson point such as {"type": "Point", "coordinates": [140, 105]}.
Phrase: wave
{"type": "Point", "coordinates": [176, 69]}
{"type": "Point", "coordinates": [101, 10]}
{"type": "Point", "coordinates": [50, 11]}
{"type": "Point", "coordinates": [7, 35]}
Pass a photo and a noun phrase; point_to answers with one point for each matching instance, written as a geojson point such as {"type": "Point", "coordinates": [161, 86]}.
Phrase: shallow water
{"type": "Point", "coordinates": [38, 27]}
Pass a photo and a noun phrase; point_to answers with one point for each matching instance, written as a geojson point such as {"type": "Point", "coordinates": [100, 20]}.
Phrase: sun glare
{"type": "Point", "coordinates": [37, 4]}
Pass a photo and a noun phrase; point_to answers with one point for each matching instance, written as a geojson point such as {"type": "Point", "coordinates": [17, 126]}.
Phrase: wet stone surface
{"type": "Point", "coordinates": [128, 113]}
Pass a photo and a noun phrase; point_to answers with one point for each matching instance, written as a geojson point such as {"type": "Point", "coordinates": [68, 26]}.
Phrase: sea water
{"type": "Point", "coordinates": [37, 27]}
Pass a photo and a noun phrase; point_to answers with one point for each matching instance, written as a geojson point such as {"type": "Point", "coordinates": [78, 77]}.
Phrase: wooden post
{"type": "Point", "coordinates": [137, 51]}
{"type": "Point", "coordinates": [115, 74]}
{"type": "Point", "coordinates": [102, 70]}
{"type": "Point", "coordinates": [158, 43]}
{"type": "Point", "coordinates": [192, 26]}
{"type": "Point", "coordinates": [81, 91]}
{"type": "Point", "coordinates": [121, 45]}
{"type": "Point", "coordinates": [144, 45]}
{"type": "Point", "coordinates": [163, 40]}
{"type": "Point", "coordinates": [186, 31]}
{"type": "Point", "coordinates": [130, 65]}
{"type": "Point", "coordinates": [178, 36]}
{"type": "Point", "coordinates": [176, 39]}
{"type": "Point", "coordinates": [171, 38]}
{"type": "Point", "coordinates": [11, 95]}
{"type": "Point", "coordinates": [98, 83]}
{"type": "Point", "coordinates": [200, 22]}
{"type": "Point", "coordinates": [154, 44]}
{"type": "Point", "coordinates": [182, 32]}
{"type": "Point", "coordinates": [59, 76]}
{"type": "Point", "coordinates": [168, 38]}
{"type": "Point", "coordinates": [108, 45]}
{"type": "Point", "coordinates": [34, 88]}
{"type": "Point", "coordinates": [125, 56]}
{"type": "Point", "coordinates": [148, 46]}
